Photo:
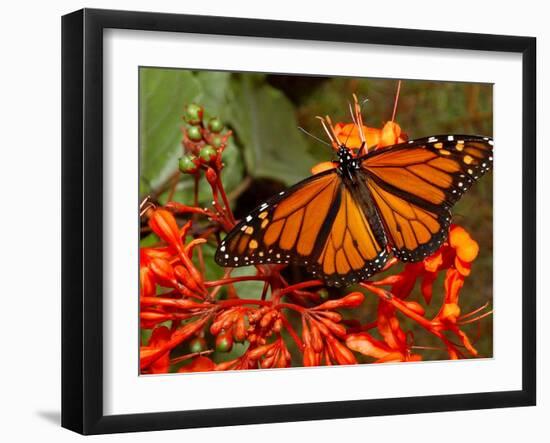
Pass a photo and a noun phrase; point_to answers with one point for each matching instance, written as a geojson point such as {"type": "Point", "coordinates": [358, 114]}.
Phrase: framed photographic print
{"type": "Point", "coordinates": [273, 221]}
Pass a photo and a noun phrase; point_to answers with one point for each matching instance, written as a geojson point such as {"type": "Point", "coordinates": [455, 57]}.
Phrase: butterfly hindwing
{"type": "Point", "coordinates": [355, 247]}
{"type": "Point", "coordinates": [414, 185]}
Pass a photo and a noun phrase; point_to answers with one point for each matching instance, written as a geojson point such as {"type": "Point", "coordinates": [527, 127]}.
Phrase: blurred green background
{"type": "Point", "coordinates": [268, 152]}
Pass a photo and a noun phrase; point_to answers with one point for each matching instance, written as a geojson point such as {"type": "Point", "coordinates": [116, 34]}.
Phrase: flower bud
{"type": "Point", "coordinates": [215, 125]}
{"type": "Point", "coordinates": [193, 114]}
{"type": "Point", "coordinates": [316, 340]}
{"type": "Point", "coordinates": [258, 352]}
{"type": "Point", "coordinates": [163, 223]}
{"type": "Point", "coordinates": [341, 353]}
{"type": "Point", "coordinates": [147, 282]}
{"type": "Point", "coordinates": [309, 357]}
{"type": "Point", "coordinates": [211, 176]}
{"type": "Point", "coordinates": [365, 344]}
{"type": "Point", "coordinates": [351, 300]}
{"type": "Point", "coordinates": [224, 342]}
{"type": "Point", "coordinates": [335, 328]}
{"type": "Point", "coordinates": [194, 133]}
{"type": "Point", "coordinates": [188, 165]}
{"type": "Point", "coordinates": [164, 272]}
{"type": "Point", "coordinates": [415, 307]}
{"type": "Point", "coordinates": [198, 344]}
{"type": "Point", "coordinates": [217, 141]}
{"type": "Point", "coordinates": [208, 153]}
{"type": "Point", "coordinates": [239, 332]}
{"type": "Point", "coordinates": [185, 278]}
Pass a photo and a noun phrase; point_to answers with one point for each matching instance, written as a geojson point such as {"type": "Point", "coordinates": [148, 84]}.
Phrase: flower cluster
{"type": "Point", "coordinates": [192, 323]}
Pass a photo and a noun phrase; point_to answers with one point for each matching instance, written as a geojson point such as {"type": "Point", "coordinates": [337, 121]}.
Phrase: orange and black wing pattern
{"type": "Point", "coordinates": [414, 185]}
{"type": "Point", "coordinates": [317, 223]}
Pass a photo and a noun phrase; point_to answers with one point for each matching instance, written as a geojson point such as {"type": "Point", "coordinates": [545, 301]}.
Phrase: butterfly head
{"type": "Point", "coordinates": [346, 158]}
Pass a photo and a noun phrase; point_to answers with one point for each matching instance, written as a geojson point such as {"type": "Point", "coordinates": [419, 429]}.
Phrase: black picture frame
{"type": "Point", "coordinates": [82, 218]}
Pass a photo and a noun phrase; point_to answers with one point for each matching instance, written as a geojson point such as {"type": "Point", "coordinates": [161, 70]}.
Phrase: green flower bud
{"type": "Point", "coordinates": [187, 164]}
{"type": "Point", "coordinates": [193, 114]}
{"type": "Point", "coordinates": [207, 153]}
{"type": "Point", "coordinates": [224, 342]}
{"type": "Point", "coordinates": [323, 294]}
{"type": "Point", "coordinates": [198, 344]}
{"type": "Point", "coordinates": [215, 125]}
{"type": "Point", "coordinates": [194, 133]}
{"type": "Point", "coordinates": [217, 141]}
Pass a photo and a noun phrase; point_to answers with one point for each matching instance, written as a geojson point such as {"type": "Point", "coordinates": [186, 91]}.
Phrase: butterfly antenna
{"type": "Point", "coordinates": [332, 138]}
{"type": "Point", "coordinates": [396, 100]}
{"type": "Point", "coordinates": [358, 120]}
{"type": "Point", "coordinates": [314, 136]}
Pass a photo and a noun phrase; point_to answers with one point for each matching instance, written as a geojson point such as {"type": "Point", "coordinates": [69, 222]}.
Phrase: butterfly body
{"type": "Point", "coordinates": [343, 223]}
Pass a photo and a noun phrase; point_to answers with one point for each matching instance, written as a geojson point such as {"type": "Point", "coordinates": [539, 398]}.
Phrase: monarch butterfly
{"type": "Point", "coordinates": [343, 223]}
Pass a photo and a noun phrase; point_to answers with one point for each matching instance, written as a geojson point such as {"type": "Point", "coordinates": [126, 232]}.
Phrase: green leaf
{"type": "Point", "coordinates": [248, 289]}
{"type": "Point", "coordinates": [163, 93]}
{"type": "Point", "coordinates": [265, 123]}
{"type": "Point", "coordinates": [150, 240]}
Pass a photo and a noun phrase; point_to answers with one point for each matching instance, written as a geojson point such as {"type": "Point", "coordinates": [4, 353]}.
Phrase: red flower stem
{"type": "Point", "coordinates": [225, 199]}
{"type": "Point", "coordinates": [174, 303]}
{"type": "Point", "coordinates": [292, 306]}
{"type": "Point", "coordinates": [243, 301]}
{"type": "Point", "coordinates": [178, 208]}
{"type": "Point", "coordinates": [227, 281]}
{"type": "Point", "coordinates": [398, 304]}
{"type": "Point", "coordinates": [292, 333]}
{"type": "Point", "coordinates": [305, 284]}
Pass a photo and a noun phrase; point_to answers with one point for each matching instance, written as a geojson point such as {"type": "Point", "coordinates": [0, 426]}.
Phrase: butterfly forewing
{"type": "Point", "coordinates": [286, 228]}
{"type": "Point", "coordinates": [415, 184]}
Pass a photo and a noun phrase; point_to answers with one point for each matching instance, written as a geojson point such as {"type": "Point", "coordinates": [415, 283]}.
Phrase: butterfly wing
{"type": "Point", "coordinates": [317, 223]}
{"type": "Point", "coordinates": [285, 228]}
{"type": "Point", "coordinates": [414, 185]}
{"type": "Point", "coordinates": [355, 247]}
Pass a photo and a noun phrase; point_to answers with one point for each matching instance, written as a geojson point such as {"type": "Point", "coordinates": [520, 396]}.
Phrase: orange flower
{"type": "Point", "coordinates": [390, 134]}
{"type": "Point", "coordinates": [199, 364]}
{"type": "Point", "coordinates": [159, 337]}
{"type": "Point", "coordinates": [366, 344]}
{"type": "Point", "coordinates": [466, 249]}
